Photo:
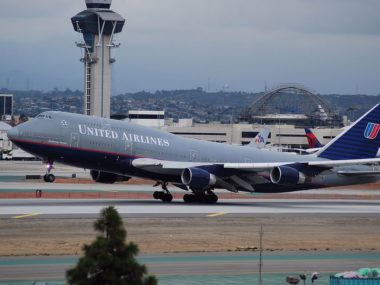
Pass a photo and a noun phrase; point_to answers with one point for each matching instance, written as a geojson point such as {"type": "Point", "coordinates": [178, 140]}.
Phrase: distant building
{"type": "Point", "coordinates": [6, 105]}
{"type": "Point", "coordinates": [155, 119]}
{"type": "Point", "coordinates": [5, 143]}
{"type": "Point", "coordinates": [241, 134]}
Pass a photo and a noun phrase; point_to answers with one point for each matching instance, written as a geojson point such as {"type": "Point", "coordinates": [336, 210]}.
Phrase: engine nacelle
{"type": "Point", "coordinates": [285, 175]}
{"type": "Point", "coordinates": [107, 177]}
{"type": "Point", "coordinates": [197, 177]}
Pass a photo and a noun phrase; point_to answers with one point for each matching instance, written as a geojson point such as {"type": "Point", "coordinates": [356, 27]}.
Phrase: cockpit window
{"type": "Point", "coordinates": [44, 116]}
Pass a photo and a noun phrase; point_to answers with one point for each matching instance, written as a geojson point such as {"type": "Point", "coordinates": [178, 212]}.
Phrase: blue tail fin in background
{"type": "Point", "coordinates": [360, 141]}
{"type": "Point", "coordinates": [312, 139]}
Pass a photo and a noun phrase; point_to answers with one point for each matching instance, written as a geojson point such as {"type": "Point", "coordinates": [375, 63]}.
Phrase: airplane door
{"type": "Point", "coordinates": [74, 142]}
{"type": "Point", "coordinates": [194, 155]}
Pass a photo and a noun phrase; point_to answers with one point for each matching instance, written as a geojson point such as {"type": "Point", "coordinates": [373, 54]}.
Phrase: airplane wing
{"type": "Point", "coordinates": [168, 164]}
{"type": "Point", "coordinates": [259, 166]}
{"type": "Point", "coordinates": [245, 176]}
{"type": "Point", "coordinates": [321, 163]}
{"type": "Point", "coordinates": [343, 162]}
{"type": "Point", "coordinates": [359, 173]}
{"type": "Point", "coordinates": [232, 182]}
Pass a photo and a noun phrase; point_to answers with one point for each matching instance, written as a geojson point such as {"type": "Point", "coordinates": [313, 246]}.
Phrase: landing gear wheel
{"type": "Point", "coordinates": [50, 178]}
{"type": "Point", "coordinates": [211, 199]}
{"type": "Point", "coordinates": [189, 198]}
{"type": "Point", "coordinates": [167, 198]}
{"type": "Point", "coordinates": [164, 197]}
{"type": "Point", "coordinates": [200, 198]}
{"type": "Point", "coordinates": [157, 195]}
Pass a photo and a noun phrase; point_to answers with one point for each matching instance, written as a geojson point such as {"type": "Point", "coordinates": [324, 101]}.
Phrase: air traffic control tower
{"type": "Point", "coordinates": [98, 24]}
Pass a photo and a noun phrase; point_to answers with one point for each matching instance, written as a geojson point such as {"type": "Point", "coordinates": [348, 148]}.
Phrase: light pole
{"type": "Point", "coordinates": [261, 233]}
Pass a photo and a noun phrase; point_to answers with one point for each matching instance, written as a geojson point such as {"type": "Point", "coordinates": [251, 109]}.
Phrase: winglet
{"type": "Point", "coordinates": [360, 141]}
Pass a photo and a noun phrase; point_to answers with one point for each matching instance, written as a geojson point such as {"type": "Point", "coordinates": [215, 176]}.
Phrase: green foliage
{"type": "Point", "coordinates": [109, 260]}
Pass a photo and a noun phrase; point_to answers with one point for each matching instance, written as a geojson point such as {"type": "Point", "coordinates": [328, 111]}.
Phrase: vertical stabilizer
{"type": "Point", "coordinates": [260, 140]}
{"type": "Point", "coordinates": [312, 139]}
{"type": "Point", "coordinates": [359, 141]}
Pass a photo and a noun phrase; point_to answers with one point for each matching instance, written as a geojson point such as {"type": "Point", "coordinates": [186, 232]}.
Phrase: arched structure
{"type": "Point", "coordinates": [290, 99]}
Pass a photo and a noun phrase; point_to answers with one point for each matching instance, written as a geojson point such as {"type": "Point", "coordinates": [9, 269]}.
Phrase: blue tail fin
{"type": "Point", "coordinates": [359, 141]}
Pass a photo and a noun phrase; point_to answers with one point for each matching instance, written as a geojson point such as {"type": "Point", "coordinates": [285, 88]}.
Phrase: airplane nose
{"type": "Point", "coordinates": [13, 133]}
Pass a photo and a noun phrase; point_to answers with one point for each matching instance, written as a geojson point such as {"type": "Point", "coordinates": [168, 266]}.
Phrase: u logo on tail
{"type": "Point", "coordinates": [371, 131]}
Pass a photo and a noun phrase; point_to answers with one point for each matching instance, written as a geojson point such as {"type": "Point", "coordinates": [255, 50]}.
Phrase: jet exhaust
{"type": "Point", "coordinates": [285, 175]}
{"type": "Point", "coordinates": [197, 177]}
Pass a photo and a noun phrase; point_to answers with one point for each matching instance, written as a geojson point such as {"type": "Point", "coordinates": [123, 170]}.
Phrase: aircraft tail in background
{"type": "Point", "coordinates": [260, 140]}
{"type": "Point", "coordinates": [312, 139]}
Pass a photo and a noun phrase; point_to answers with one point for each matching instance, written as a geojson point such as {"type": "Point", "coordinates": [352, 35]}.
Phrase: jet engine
{"type": "Point", "coordinates": [107, 177]}
{"type": "Point", "coordinates": [285, 175]}
{"type": "Point", "coordinates": [197, 177]}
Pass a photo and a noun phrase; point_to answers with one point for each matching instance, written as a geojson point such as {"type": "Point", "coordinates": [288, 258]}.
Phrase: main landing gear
{"type": "Point", "coordinates": [200, 196]}
{"type": "Point", "coordinates": [165, 195]}
{"type": "Point", "coordinates": [207, 197]}
{"type": "Point", "coordinates": [49, 177]}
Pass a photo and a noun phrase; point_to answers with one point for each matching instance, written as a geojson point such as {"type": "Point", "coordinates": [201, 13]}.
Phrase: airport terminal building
{"type": "Point", "coordinates": [286, 135]}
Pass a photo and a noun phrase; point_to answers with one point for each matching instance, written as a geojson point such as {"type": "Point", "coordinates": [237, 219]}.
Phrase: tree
{"type": "Point", "coordinates": [109, 260]}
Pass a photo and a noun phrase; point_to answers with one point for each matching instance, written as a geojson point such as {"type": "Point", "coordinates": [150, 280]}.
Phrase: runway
{"type": "Point", "coordinates": [328, 230]}
{"type": "Point", "coordinates": [153, 208]}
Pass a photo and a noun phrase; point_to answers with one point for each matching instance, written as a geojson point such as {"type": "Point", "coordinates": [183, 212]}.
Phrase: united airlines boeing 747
{"type": "Point", "coordinates": [116, 150]}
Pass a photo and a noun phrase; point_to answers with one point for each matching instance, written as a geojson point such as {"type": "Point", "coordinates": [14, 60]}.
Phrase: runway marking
{"type": "Point", "coordinates": [217, 214]}
{"type": "Point", "coordinates": [25, 216]}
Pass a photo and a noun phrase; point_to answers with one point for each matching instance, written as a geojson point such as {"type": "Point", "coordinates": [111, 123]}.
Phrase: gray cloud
{"type": "Point", "coordinates": [330, 45]}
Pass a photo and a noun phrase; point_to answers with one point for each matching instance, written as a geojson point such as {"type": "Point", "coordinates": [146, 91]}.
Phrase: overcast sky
{"type": "Point", "coordinates": [331, 46]}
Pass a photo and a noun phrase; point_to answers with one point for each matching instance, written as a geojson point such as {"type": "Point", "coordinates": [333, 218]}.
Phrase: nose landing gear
{"type": "Point", "coordinates": [165, 195]}
{"type": "Point", "coordinates": [49, 177]}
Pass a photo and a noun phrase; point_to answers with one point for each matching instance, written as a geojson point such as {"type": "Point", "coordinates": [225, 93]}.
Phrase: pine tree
{"type": "Point", "coordinates": [109, 260]}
